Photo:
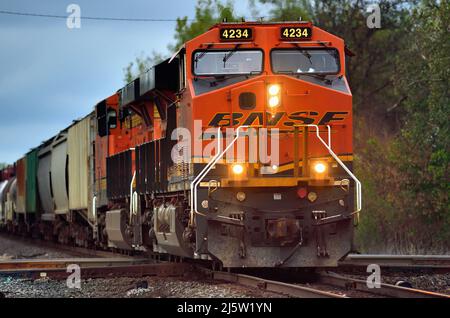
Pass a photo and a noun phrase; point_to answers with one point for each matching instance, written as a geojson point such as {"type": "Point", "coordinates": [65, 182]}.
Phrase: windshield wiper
{"type": "Point", "coordinates": [230, 54]}
{"type": "Point", "coordinates": [304, 52]}
{"type": "Point", "coordinates": [323, 77]}
{"type": "Point", "coordinates": [223, 77]}
{"type": "Point", "coordinates": [307, 55]}
{"type": "Point", "coordinates": [318, 76]}
{"type": "Point", "coordinates": [202, 54]}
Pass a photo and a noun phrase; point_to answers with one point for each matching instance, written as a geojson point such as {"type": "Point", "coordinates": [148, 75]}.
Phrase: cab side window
{"type": "Point", "coordinates": [112, 119]}
{"type": "Point", "coordinates": [106, 119]}
{"type": "Point", "coordinates": [102, 129]}
{"type": "Point", "coordinates": [182, 71]}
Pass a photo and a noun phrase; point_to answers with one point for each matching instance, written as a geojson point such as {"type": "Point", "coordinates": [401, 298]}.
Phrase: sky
{"type": "Point", "coordinates": [51, 75]}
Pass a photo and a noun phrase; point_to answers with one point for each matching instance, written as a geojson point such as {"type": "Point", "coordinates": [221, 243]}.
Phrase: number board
{"type": "Point", "coordinates": [236, 34]}
{"type": "Point", "coordinates": [296, 33]}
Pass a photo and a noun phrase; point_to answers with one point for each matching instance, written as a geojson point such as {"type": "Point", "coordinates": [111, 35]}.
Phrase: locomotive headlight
{"type": "Point", "coordinates": [319, 170]}
{"type": "Point", "coordinates": [238, 169]}
{"type": "Point", "coordinates": [274, 101]}
{"type": "Point", "coordinates": [274, 95]}
{"type": "Point", "coordinates": [320, 167]}
{"type": "Point", "coordinates": [274, 90]}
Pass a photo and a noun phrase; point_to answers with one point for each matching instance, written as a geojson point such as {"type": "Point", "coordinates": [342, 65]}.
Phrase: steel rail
{"type": "Point", "coordinates": [273, 286]}
{"type": "Point", "coordinates": [75, 250]}
{"type": "Point", "coordinates": [412, 261]}
{"type": "Point", "coordinates": [384, 290]}
{"type": "Point", "coordinates": [104, 268]}
{"type": "Point", "coordinates": [123, 267]}
{"type": "Point", "coordinates": [101, 271]}
{"type": "Point", "coordinates": [17, 264]}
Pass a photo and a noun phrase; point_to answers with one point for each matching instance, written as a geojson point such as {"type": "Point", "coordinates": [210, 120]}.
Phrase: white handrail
{"type": "Point", "coordinates": [193, 195]}
{"type": "Point", "coordinates": [220, 154]}
{"type": "Point", "coordinates": [133, 199]}
{"type": "Point", "coordinates": [94, 212]}
{"type": "Point", "coordinates": [205, 171]}
{"type": "Point", "coordinates": [329, 135]}
{"type": "Point", "coordinates": [357, 182]}
{"type": "Point", "coordinates": [94, 208]}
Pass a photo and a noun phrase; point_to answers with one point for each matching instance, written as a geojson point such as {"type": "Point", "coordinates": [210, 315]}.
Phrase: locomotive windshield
{"type": "Point", "coordinates": [312, 61]}
{"type": "Point", "coordinates": [229, 62]}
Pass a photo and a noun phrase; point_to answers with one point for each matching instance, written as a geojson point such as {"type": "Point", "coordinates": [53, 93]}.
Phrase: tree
{"type": "Point", "coordinates": [421, 154]}
{"type": "Point", "coordinates": [207, 13]}
{"type": "Point", "coordinates": [286, 10]}
{"type": "Point", "coordinates": [410, 173]}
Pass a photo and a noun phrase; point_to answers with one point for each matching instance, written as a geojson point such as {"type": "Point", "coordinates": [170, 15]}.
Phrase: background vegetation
{"type": "Point", "coordinates": [400, 81]}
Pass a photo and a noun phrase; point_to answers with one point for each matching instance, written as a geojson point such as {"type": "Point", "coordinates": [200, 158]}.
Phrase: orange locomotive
{"type": "Point", "coordinates": [238, 149]}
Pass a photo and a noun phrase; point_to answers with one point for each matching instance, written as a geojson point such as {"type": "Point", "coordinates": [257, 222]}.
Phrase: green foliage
{"type": "Point", "coordinates": [207, 13]}
{"type": "Point", "coordinates": [371, 69]}
{"type": "Point", "coordinates": [287, 10]}
{"type": "Point", "coordinates": [3, 165]}
{"type": "Point", "coordinates": [140, 65]}
{"type": "Point", "coordinates": [422, 151]}
{"type": "Point", "coordinates": [411, 171]}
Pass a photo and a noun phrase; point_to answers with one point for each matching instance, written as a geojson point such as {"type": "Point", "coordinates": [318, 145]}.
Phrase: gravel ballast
{"type": "Point", "coordinates": [150, 287]}
{"type": "Point", "coordinates": [14, 248]}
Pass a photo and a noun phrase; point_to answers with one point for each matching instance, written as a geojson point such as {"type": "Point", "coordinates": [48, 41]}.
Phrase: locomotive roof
{"type": "Point", "coordinates": [259, 23]}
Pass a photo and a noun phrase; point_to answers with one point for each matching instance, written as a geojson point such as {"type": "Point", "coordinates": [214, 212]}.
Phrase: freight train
{"type": "Point", "coordinates": [177, 162]}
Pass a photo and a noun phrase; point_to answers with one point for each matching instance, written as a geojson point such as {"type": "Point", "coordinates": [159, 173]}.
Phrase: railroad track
{"type": "Point", "coordinates": [107, 268]}
{"type": "Point", "coordinates": [44, 264]}
{"type": "Point", "coordinates": [91, 268]}
{"type": "Point", "coordinates": [385, 290]}
{"type": "Point", "coordinates": [291, 290]}
{"type": "Point", "coordinates": [352, 260]}
{"type": "Point", "coordinates": [73, 250]}
{"type": "Point", "coordinates": [135, 267]}
{"type": "Point", "coordinates": [102, 264]}
{"type": "Point", "coordinates": [344, 285]}
{"type": "Point", "coordinates": [399, 261]}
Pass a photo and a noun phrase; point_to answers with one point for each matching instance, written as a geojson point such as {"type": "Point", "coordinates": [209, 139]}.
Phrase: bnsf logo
{"type": "Point", "coordinates": [289, 120]}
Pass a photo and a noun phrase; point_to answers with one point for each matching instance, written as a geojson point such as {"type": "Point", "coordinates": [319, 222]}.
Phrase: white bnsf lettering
{"type": "Point", "coordinates": [277, 119]}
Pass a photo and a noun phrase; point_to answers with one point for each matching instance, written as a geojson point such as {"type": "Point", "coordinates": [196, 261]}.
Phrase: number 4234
{"type": "Point", "coordinates": [296, 33]}
{"type": "Point", "coordinates": [236, 34]}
